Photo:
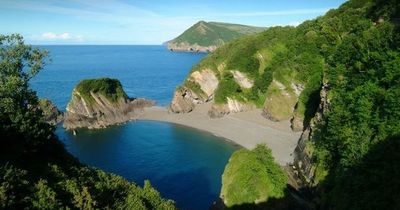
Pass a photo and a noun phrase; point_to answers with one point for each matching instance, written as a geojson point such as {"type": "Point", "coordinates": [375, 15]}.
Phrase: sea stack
{"type": "Point", "coordinates": [98, 103]}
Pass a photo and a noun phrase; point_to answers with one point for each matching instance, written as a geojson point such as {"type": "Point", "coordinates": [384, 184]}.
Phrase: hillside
{"type": "Point", "coordinates": [336, 78]}
{"type": "Point", "coordinates": [207, 36]}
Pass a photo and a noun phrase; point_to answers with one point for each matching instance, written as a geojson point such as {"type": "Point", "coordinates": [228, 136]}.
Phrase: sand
{"type": "Point", "coordinates": [246, 129]}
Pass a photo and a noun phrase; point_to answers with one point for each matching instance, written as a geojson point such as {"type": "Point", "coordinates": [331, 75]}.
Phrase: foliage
{"type": "Point", "coordinates": [364, 80]}
{"type": "Point", "coordinates": [35, 169]}
{"type": "Point", "coordinates": [110, 88]}
{"type": "Point", "coordinates": [252, 176]}
{"type": "Point", "coordinates": [226, 87]}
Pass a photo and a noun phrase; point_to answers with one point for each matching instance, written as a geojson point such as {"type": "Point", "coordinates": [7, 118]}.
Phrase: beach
{"type": "Point", "coordinates": [246, 129]}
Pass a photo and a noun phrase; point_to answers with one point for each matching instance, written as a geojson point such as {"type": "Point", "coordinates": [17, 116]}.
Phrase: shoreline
{"type": "Point", "coordinates": [245, 129]}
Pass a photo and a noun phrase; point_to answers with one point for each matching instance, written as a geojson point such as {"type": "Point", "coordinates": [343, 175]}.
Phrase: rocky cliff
{"type": "Point", "coordinates": [303, 153]}
{"type": "Point", "coordinates": [98, 103]}
{"type": "Point", "coordinates": [239, 77]}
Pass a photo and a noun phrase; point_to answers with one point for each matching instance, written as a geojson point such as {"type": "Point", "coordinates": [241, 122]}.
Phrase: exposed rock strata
{"type": "Point", "coordinates": [232, 106]}
{"type": "Point", "coordinates": [186, 47]}
{"type": "Point", "coordinates": [242, 79]}
{"type": "Point", "coordinates": [185, 98]}
{"type": "Point", "coordinates": [100, 111]}
{"type": "Point", "coordinates": [303, 154]}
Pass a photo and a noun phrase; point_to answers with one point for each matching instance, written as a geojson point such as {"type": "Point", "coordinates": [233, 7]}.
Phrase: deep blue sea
{"type": "Point", "coordinates": [184, 164]}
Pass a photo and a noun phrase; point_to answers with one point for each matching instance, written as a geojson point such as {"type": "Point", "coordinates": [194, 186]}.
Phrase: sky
{"type": "Point", "coordinates": [143, 21]}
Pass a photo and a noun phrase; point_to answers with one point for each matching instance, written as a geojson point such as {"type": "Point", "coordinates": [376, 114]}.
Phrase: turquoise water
{"type": "Point", "coordinates": [184, 164]}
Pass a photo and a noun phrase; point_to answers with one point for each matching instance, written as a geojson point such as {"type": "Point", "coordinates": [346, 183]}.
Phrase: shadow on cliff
{"type": "Point", "coordinates": [292, 200]}
{"type": "Point", "coordinates": [373, 183]}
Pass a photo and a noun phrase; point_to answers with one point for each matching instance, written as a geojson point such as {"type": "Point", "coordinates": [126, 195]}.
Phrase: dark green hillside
{"type": "Point", "coordinates": [36, 172]}
{"type": "Point", "coordinates": [214, 33]}
{"type": "Point", "coordinates": [354, 53]}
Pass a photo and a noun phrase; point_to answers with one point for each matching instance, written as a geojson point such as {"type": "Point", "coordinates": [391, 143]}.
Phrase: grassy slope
{"type": "Point", "coordinates": [213, 33]}
{"type": "Point", "coordinates": [110, 88]}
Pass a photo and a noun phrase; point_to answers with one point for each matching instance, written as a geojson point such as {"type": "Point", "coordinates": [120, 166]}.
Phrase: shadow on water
{"type": "Point", "coordinates": [187, 187]}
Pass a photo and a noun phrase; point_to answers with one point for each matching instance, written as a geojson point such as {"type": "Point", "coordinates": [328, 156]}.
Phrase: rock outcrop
{"type": "Point", "coordinates": [199, 88]}
{"type": "Point", "coordinates": [98, 103]}
{"type": "Point", "coordinates": [186, 47]}
{"type": "Point", "coordinates": [232, 106]}
{"type": "Point", "coordinates": [303, 154]}
{"type": "Point", "coordinates": [51, 113]}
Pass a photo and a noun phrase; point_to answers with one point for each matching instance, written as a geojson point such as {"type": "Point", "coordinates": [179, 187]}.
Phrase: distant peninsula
{"type": "Point", "coordinates": [98, 103]}
{"type": "Point", "coordinates": [208, 36]}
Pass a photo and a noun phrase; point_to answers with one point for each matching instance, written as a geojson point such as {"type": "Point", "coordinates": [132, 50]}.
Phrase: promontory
{"type": "Point", "coordinates": [98, 103]}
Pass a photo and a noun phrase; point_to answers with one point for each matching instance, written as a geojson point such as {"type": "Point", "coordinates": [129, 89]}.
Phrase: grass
{"type": "Point", "coordinates": [279, 105]}
{"type": "Point", "coordinates": [109, 88]}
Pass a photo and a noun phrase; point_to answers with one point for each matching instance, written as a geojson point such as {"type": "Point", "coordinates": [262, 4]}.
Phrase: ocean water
{"type": "Point", "coordinates": [184, 164]}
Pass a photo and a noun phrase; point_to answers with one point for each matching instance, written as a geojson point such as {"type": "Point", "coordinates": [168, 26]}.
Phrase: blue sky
{"type": "Point", "coordinates": [142, 21]}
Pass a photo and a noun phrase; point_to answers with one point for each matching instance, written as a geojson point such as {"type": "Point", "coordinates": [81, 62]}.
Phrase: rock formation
{"type": "Point", "coordinates": [303, 154]}
{"type": "Point", "coordinates": [98, 103]}
{"type": "Point", "coordinates": [51, 114]}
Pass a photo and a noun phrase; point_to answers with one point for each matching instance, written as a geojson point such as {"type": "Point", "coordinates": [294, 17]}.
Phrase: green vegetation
{"type": "Point", "coordinates": [213, 33]}
{"type": "Point", "coordinates": [36, 172]}
{"type": "Point", "coordinates": [354, 51]}
{"type": "Point", "coordinates": [252, 176]}
{"type": "Point", "coordinates": [364, 78]}
{"type": "Point", "coordinates": [109, 88]}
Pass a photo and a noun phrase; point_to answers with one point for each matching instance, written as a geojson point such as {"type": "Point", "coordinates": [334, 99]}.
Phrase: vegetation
{"type": "Point", "coordinates": [36, 172]}
{"type": "Point", "coordinates": [214, 33]}
{"type": "Point", "coordinates": [364, 78]}
{"type": "Point", "coordinates": [252, 176]}
{"type": "Point", "coordinates": [354, 52]}
{"type": "Point", "coordinates": [109, 88]}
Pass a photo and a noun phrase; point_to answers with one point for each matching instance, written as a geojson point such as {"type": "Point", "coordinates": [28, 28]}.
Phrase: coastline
{"type": "Point", "coordinates": [246, 129]}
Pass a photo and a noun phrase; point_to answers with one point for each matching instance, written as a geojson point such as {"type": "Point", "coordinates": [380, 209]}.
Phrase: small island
{"type": "Point", "coordinates": [98, 103]}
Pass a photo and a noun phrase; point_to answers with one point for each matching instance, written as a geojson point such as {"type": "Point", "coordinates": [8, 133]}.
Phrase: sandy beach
{"type": "Point", "coordinates": [246, 128]}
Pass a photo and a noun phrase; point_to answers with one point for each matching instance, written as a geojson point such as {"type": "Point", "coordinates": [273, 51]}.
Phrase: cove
{"type": "Point", "coordinates": [183, 163]}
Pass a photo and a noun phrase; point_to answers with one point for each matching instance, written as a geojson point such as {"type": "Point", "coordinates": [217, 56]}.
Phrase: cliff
{"type": "Point", "coordinates": [98, 103]}
{"type": "Point", "coordinates": [265, 71]}
{"type": "Point", "coordinates": [208, 36]}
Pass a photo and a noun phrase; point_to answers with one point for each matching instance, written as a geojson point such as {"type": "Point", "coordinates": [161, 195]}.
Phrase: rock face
{"type": "Point", "coordinates": [203, 84]}
{"type": "Point", "coordinates": [98, 103]}
{"type": "Point", "coordinates": [242, 80]}
{"type": "Point", "coordinates": [186, 47]}
{"type": "Point", "coordinates": [51, 114]}
{"type": "Point", "coordinates": [183, 101]}
{"type": "Point", "coordinates": [303, 154]}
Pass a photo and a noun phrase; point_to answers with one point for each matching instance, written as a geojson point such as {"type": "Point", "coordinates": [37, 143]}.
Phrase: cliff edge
{"type": "Point", "coordinates": [98, 103]}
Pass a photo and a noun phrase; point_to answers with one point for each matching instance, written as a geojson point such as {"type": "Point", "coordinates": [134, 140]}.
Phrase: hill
{"type": "Point", "coordinates": [207, 36]}
{"type": "Point", "coordinates": [336, 78]}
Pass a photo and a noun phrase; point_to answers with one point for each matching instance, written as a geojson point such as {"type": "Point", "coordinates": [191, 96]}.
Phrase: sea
{"type": "Point", "coordinates": [182, 163]}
